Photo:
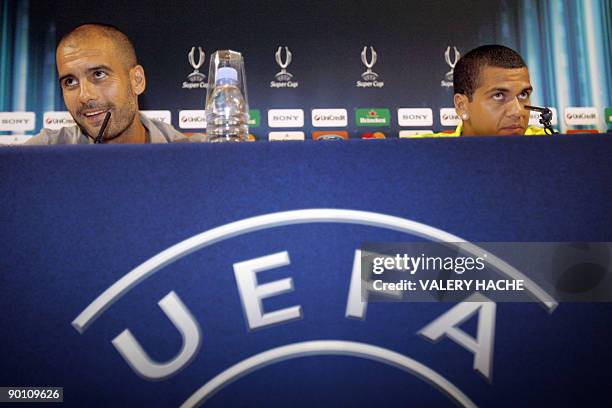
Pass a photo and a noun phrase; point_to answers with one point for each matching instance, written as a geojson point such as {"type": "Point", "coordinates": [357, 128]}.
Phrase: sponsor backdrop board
{"type": "Point", "coordinates": [296, 213]}
{"type": "Point", "coordinates": [351, 56]}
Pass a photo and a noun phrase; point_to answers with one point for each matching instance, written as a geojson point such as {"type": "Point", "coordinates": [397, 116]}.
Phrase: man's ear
{"type": "Point", "coordinates": [461, 106]}
{"type": "Point", "coordinates": [138, 79]}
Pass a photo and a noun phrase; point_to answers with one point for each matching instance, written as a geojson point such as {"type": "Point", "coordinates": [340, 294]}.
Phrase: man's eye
{"type": "Point", "coordinates": [99, 74]}
{"type": "Point", "coordinates": [524, 95]}
{"type": "Point", "coordinates": [498, 96]}
{"type": "Point", "coordinates": [70, 82]}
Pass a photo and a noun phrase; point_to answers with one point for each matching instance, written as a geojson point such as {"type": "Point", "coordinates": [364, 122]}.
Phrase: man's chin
{"type": "Point", "coordinates": [88, 130]}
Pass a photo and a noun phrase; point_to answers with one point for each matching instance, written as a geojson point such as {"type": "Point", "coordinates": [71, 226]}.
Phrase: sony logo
{"type": "Point", "coordinates": [285, 117]}
{"type": "Point", "coordinates": [15, 121]}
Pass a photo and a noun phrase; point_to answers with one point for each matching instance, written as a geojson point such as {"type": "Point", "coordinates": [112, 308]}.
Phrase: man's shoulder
{"type": "Point", "coordinates": [64, 135]}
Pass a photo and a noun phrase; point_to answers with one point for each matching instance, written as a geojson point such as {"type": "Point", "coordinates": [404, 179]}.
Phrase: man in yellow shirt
{"type": "Point", "coordinates": [492, 87]}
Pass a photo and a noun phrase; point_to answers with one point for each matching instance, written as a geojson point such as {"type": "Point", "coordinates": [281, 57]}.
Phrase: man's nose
{"type": "Point", "coordinates": [515, 108]}
{"type": "Point", "coordinates": [87, 92]}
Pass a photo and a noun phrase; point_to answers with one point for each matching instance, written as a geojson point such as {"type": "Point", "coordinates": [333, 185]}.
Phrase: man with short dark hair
{"type": "Point", "coordinates": [491, 85]}
{"type": "Point", "coordinates": [99, 73]}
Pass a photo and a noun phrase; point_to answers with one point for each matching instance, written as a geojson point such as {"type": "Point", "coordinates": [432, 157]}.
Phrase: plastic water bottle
{"type": "Point", "coordinates": [226, 110]}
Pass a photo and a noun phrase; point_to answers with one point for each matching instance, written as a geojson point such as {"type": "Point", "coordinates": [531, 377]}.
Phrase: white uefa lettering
{"type": "Point", "coordinates": [272, 220]}
{"type": "Point", "coordinates": [482, 345]}
{"type": "Point", "coordinates": [139, 360]}
{"type": "Point", "coordinates": [356, 304]}
{"type": "Point", "coordinates": [251, 293]}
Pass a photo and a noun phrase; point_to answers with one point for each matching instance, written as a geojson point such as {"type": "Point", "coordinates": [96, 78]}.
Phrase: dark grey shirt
{"type": "Point", "coordinates": [159, 132]}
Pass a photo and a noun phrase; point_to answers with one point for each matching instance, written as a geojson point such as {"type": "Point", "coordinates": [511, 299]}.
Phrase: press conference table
{"type": "Point", "coordinates": [75, 220]}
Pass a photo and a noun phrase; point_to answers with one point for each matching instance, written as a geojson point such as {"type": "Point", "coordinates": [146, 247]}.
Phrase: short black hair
{"type": "Point", "coordinates": [466, 74]}
{"type": "Point", "coordinates": [113, 33]}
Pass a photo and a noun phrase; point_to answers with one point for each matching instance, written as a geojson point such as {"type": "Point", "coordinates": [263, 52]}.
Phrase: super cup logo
{"type": "Point", "coordinates": [451, 62]}
{"type": "Point", "coordinates": [369, 77]}
{"type": "Point", "coordinates": [257, 315]}
{"type": "Point", "coordinates": [196, 78]}
{"type": "Point", "coordinates": [284, 79]}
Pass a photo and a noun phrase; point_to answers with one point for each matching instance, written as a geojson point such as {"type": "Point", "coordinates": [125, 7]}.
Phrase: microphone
{"type": "Point", "coordinates": [545, 118]}
{"type": "Point", "coordinates": [98, 139]}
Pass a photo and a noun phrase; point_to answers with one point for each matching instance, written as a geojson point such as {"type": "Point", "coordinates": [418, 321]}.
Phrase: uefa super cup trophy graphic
{"type": "Point", "coordinates": [369, 75]}
{"type": "Point", "coordinates": [283, 75]}
{"type": "Point", "coordinates": [451, 64]}
{"type": "Point", "coordinates": [196, 75]}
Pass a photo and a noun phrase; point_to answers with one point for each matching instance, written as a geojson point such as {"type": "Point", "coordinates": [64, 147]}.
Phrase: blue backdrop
{"type": "Point", "coordinates": [566, 44]}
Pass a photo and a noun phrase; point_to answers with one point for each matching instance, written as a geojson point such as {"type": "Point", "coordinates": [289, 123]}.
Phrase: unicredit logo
{"type": "Point", "coordinates": [58, 121]}
{"type": "Point", "coordinates": [330, 117]}
{"type": "Point", "coordinates": [446, 116]}
{"type": "Point", "coordinates": [191, 119]}
{"type": "Point", "coordinates": [571, 116]}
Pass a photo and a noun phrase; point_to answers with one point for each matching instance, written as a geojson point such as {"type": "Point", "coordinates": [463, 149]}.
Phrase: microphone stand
{"type": "Point", "coordinates": [545, 118]}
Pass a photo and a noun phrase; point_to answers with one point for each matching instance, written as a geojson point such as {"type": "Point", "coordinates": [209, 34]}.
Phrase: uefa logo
{"type": "Point", "coordinates": [356, 295]}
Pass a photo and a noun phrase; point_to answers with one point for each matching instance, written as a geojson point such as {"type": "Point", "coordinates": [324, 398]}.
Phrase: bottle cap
{"type": "Point", "coordinates": [225, 74]}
